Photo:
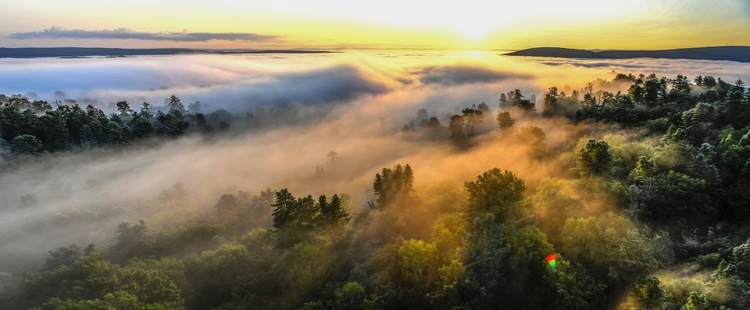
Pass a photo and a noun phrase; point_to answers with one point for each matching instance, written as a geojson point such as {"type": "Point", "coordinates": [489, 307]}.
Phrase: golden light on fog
{"type": "Point", "coordinates": [328, 105]}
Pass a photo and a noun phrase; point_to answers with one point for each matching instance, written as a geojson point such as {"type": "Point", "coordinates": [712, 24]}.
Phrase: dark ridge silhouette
{"type": "Point", "coordinates": [729, 53]}
{"type": "Point", "coordinates": [555, 52]}
{"type": "Point", "coordinates": [72, 52]}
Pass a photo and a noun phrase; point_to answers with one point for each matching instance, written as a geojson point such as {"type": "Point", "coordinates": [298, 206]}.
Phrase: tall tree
{"type": "Point", "coordinates": [471, 118]}
{"type": "Point", "coordinates": [333, 163]}
{"type": "Point", "coordinates": [498, 192]}
{"type": "Point", "coordinates": [594, 159]}
{"type": "Point", "coordinates": [504, 103]}
{"type": "Point", "coordinates": [147, 111]}
{"type": "Point", "coordinates": [456, 127]}
{"type": "Point", "coordinates": [394, 184]}
{"type": "Point", "coordinates": [124, 108]}
{"type": "Point", "coordinates": [486, 267]}
{"type": "Point", "coordinates": [332, 217]}
{"type": "Point", "coordinates": [549, 103]}
{"type": "Point", "coordinates": [504, 121]}
{"type": "Point", "coordinates": [646, 294]}
{"type": "Point", "coordinates": [176, 107]}
{"type": "Point", "coordinates": [293, 219]}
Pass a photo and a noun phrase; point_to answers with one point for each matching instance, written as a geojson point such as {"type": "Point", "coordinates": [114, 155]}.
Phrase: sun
{"type": "Point", "coordinates": [473, 30]}
{"type": "Point", "coordinates": [473, 34]}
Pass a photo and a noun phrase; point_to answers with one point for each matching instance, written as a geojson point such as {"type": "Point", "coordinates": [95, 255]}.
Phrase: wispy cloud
{"type": "Point", "coordinates": [125, 33]}
{"type": "Point", "coordinates": [462, 74]}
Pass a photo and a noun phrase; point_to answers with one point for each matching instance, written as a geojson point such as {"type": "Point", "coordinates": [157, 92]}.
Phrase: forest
{"type": "Point", "coordinates": [648, 208]}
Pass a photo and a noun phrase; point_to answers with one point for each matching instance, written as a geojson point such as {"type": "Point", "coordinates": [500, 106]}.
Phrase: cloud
{"type": "Point", "coordinates": [83, 195]}
{"type": "Point", "coordinates": [234, 83]}
{"type": "Point", "coordinates": [125, 33]}
{"type": "Point", "coordinates": [239, 83]}
{"type": "Point", "coordinates": [460, 74]}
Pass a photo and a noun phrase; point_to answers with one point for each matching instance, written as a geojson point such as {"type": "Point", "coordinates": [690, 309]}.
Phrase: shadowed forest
{"type": "Point", "coordinates": [640, 185]}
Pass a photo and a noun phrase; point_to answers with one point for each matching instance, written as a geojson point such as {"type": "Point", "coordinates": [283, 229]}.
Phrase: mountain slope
{"type": "Point", "coordinates": [729, 53]}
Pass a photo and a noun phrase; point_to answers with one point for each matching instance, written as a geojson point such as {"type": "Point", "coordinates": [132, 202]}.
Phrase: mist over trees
{"type": "Point", "coordinates": [648, 210]}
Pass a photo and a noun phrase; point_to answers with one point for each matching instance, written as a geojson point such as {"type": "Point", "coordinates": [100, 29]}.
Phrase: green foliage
{"type": "Point", "coordinates": [62, 256]}
{"type": "Point", "coordinates": [295, 220]}
{"type": "Point", "coordinates": [149, 287]}
{"type": "Point", "coordinates": [677, 198]}
{"type": "Point", "coordinates": [594, 159]}
{"type": "Point", "coordinates": [614, 108]}
{"type": "Point", "coordinates": [392, 185]}
{"type": "Point", "coordinates": [657, 126]}
{"type": "Point", "coordinates": [526, 106]}
{"type": "Point", "coordinates": [549, 103]}
{"type": "Point", "coordinates": [176, 107]}
{"type": "Point", "coordinates": [285, 211]}
{"type": "Point", "coordinates": [535, 138]}
{"type": "Point", "coordinates": [452, 278]}
{"type": "Point", "coordinates": [613, 251]}
{"type": "Point", "coordinates": [196, 238]}
{"type": "Point", "coordinates": [447, 235]}
{"type": "Point", "coordinates": [584, 240]}
{"type": "Point", "coordinates": [646, 294]}
{"type": "Point", "coordinates": [350, 296]}
{"type": "Point", "coordinates": [576, 289]}
{"type": "Point", "coordinates": [332, 214]}
{"type": "Point", "coordinates": [332, 219]}
{"type": "Point", "coordinates": [711, 260]}
{"type": "Point", "coordinates": [166, 268]}
{"type": "Point", "coordinates": [259, 240]}
{"type": "Point", "coordinates": [741, 256]}
{"type": "Point", "coordinates": [458, 137]}
{"type": "Point", "coordinates": [527, 267]}
{"type": "Point", "coordinates": [555, 201]}
{"type": "Point", "coordinates": [36, 127]}
{"type": "Point", "coordinates": [696, 302]}
{"type": "Point", "coordinates": [93, 283]}
{"type": "Point", "coordinates": [417, 259]}
{"type": "Point", "coordinates": [498, 192]}
{"type": "Point", "coordinates": [684, 168]}
{"type": "Point", "coordinates": [487, 266]}
{"type": "Point", "coordinates": [504, 121]}
{"type": "Point", "coordinates": [645, 168]}
{"type": "Point", "coordinates": [303, 269]}
{"type": "Point", "coordinates": [140, 126]}
{"type": "Point", "coordinates": [242, 212]}
{"type": "Point", "coordinates": [132, 240]}
{"type": "Point", "coordinates": [117, 300]}
{"type": "Point", "coordinates": [220, 271]}
{"type": "Point", "coordinates": [26, 144]}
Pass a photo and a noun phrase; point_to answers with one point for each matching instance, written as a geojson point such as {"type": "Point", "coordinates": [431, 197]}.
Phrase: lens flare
{"type": "Point", "coordinates": [552, 261]}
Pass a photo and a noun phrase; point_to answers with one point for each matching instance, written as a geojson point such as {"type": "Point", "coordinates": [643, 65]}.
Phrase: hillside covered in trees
{"type": "Point", "coordinates": [648, 208]}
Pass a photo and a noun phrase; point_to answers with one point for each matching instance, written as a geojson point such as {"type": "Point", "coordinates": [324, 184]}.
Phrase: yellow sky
{"type": "Point", "coordinates": [467, 24]}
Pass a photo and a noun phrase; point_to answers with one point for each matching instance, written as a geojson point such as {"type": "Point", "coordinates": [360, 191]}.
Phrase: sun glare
{"type": "Point", "coordinates": [473, 33]}
{"type": "Point", "coordinates": [474, 29]}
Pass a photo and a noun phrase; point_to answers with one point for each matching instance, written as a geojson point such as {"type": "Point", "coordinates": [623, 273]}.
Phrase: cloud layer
{"type": "Point", "coordinates": [354, 104]}
{"type": "Point", "coordinates": [125, 33]}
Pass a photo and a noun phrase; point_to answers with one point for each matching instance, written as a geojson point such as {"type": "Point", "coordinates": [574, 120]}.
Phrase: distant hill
{"type": "Point", "coordinates": [730, 53]}
{"type": "Point", "coordinates": [555, 52]}
{"type": "Point", "coordinates": [71, 52]}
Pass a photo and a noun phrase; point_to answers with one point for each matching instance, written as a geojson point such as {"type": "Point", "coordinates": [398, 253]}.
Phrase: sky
{"type": "Point", "coordinates": [384, 24]}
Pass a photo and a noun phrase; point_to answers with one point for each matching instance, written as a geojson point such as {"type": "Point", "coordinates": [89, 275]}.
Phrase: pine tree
{"type": "Point", "coordinates": [283, 212]}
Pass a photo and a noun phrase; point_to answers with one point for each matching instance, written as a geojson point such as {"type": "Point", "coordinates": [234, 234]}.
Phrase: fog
{"type": "Point", "coordinates": [353, 103]}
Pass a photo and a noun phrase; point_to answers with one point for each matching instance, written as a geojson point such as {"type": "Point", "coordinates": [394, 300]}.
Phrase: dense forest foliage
{"type": "Point", "coordinates": [654, 218]}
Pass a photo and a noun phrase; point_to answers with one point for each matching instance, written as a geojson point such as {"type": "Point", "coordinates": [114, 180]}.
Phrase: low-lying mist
{"type": "Point", "coordinates": [354, 104]}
